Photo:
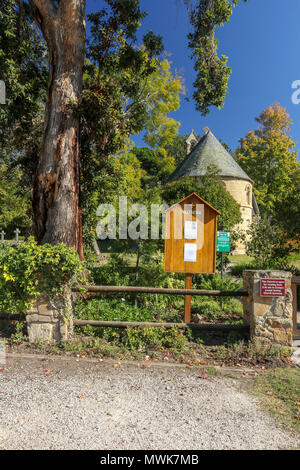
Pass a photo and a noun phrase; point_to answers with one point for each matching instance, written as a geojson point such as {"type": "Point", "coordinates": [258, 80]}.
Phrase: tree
{"type": "Point", "coordinates": [209, 187]}
{"type": "Point", "coordinates": [56, 192]}
{"type": "Point", "coordinates": [56, 186]}
{"type": "Point", "coordinates": [24, 69]}
{"type": "Point", "coordinates": [157, 165]}
{"type": "Point", "coordinates": [287, 213]}
{"type": "Point", "coordinates": [269, 157]}
{"type": "Point", "coordinates": [57, 180]}
{"type": "Point", "coordinates": [162, 95]}
{"type": "Point", "coordinates": [211, 84]}
{"type": "Point", "coordinates": [267, 244]}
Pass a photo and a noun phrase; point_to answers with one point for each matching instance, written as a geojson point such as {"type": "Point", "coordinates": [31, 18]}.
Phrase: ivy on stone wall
{"type": "Point", "coordinates": [28, 270]}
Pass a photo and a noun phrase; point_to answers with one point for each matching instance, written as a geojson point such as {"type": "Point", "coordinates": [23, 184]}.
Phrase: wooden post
{"type": "Point", "coordinates": [188, 299]}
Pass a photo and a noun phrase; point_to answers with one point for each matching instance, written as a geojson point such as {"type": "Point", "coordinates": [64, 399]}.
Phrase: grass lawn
{"type": "Point", "coordinates": [240, 259]}
{"type": "Point", "coordinates": [294, 259]}
{"type": "Point", "coordinates": [279, 390]}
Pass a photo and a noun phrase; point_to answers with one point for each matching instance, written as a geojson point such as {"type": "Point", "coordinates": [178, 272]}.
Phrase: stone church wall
{"type": "Point", "coordinates": [241, 191]}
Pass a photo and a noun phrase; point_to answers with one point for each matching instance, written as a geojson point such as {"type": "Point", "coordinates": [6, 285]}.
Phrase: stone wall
{"type": "Point", "coordinates": [50, 321]}
{"type": "Point", "coordinates": [270, 318]}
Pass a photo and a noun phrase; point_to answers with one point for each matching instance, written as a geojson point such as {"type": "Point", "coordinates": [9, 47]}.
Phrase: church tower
{"type": "Point", "coordinates": [209, 151]}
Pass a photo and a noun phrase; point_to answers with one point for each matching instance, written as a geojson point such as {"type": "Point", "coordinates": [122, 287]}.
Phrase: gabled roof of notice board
{"type": "Point", "coordinates": [198, 197]}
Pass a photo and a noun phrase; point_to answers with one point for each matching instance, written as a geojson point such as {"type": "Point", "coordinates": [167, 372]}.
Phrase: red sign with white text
{"type": "Point", "coordinates": [272, 287]}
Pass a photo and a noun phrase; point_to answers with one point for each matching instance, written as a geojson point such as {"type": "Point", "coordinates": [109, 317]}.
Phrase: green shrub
{"type": "Point", "coordinates": [234, 306]}
{"type": "Point", "coordinates": [215, 282]}
{"type": "Point", "coordinates": [29, 269]}
{"type": "Point", "coordinates": [142, 339]}
{"type": "Point", "coordinates": [208, 308]}
{"type": "Point", "coordinates": [237, 270]}
{"type": "Point", "coordinates": [268, 244]}
{"type": "Point", "coordinates": [111, 310]}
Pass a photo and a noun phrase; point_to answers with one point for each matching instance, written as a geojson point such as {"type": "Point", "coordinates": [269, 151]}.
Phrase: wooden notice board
{"type": "Point", "coordinates": [191, 236]}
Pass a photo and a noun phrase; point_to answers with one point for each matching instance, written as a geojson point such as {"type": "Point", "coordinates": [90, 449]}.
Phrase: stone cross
{"type": "Point", "coordinates": [2, 92]}
{"type": "Point", "coordinates": [17, 232]}
{"type": "Point", "coordinates": [2, 233]}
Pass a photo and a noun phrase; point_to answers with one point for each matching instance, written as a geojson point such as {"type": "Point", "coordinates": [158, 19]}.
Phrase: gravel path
{"type": "Point", "coordinates": [69, 404]}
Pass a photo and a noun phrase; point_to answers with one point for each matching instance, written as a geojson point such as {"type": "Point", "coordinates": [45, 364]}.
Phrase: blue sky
{"type": "Point", "coordinates": [262, 42]}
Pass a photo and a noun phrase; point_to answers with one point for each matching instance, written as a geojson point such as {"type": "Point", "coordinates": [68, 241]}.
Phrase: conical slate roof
{"type": "Point", "coordinates": [209, 151]}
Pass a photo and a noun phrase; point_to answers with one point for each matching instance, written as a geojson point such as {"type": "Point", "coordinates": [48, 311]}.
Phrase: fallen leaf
{"type": "Point", "coordinates": [204, 377]}
{"type": "Point", "coordinates": [47, 372]}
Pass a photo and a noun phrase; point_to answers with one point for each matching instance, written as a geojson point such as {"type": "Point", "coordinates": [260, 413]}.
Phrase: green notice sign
{"type": "Point", "coordinates": [223, 241]}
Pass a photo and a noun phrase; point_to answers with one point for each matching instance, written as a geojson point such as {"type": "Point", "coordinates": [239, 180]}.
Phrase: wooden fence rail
{"type": "Point", "coordinates": [152, 290]}
{"type": "Point", "coordinates": [185, 326]}
{"type": "Point", "coordinates": [158, 290]}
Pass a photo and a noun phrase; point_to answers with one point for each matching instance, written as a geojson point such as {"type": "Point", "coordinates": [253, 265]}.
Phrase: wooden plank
{"type": "Point", "coordinates": [160, 290]}
{"type": "Point", "coordinates": [12, 316]}
{"type": "Point", "coordinates": [206, 241]}
{"type": "Point", "coordinates": [188, 299]}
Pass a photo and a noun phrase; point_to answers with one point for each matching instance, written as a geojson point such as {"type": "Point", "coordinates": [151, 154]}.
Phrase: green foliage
{"type": "Point", "coordinates": [269, 157]}
{"type": "Point", "coordinates": [212, 191]}
{"type": "Point", "coordinates": [142, 339]}
{"type": "Point", "coordinates": [177, 148]}
{"type": "Point", "coordinates": [157, 165]}
{"type": "Point", "coordinates": [215, 282]}
{"type": "Point", "coordinates": [268, 244]}
{"type": "Point", "coordinates": [211, 84]}
{"type": "Point", "coordinates": [207, 308]}
{"type": "Point", "coordinates": [126, 89]}
{"type": "Point", "coordinates": [19, 334]}
{"type": "Point", "coordinates": [254, 351]}
{"type": "Point", "coordinates": [27, 270]}
{"type": "Point", "coordinates": [24, 68]}
{"type": "Point", "coordinates": [15, 204]}
{"type": "Point", "coordinates": [146, 338]}
{"type": "Point", "coordinates": [119, 271]}
{"type": "Point", "coordinates": [162, 95]}
{"type": "Point", "coordinates": [111, 310]}
{"type": "Point", "coordinates": [289, 220]}
{"type": "Point", "coordinates": [210, 307]}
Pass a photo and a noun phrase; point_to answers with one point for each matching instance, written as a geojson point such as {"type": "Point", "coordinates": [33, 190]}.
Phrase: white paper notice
{"type": "Point", "coordinates": [190, 230]}
{"type": "Point", "coordinates": [190, 252]}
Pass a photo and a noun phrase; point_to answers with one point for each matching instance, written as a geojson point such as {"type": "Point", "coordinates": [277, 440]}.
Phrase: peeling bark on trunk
{"type": "Point", "coordinates": [57, 216]}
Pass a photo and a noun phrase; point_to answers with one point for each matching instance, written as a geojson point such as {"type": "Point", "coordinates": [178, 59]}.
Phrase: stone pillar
{"type": "Point", "coordinates": [270, 318]}
{"type": "Point", "coordinates": [50, 321]}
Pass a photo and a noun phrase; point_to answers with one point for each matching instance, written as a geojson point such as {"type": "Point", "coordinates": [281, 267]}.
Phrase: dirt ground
{"type": "Point", "coordinates": [77, 403]}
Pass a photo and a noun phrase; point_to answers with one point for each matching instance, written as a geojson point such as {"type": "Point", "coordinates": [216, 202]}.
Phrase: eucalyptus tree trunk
{"type": "Point", "coordinates": [57, 216]}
